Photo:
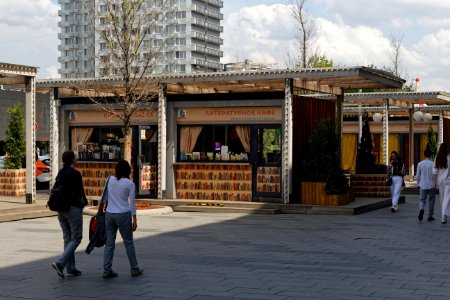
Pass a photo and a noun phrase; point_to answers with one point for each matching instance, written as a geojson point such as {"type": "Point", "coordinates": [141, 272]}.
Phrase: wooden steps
{"type": "Point", "coordinates": [369, 185]}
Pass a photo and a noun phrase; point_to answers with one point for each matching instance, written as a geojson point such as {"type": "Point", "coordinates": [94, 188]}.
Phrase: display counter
{"type": "Point", "coordinates": [94, 176]}
{"type": "Point", "coordinates": [214, 181]}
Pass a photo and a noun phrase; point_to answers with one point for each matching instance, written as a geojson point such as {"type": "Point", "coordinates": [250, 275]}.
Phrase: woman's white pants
{"type": "Point", "coordinates": [444, 196]}
{"type": "Point", "coordinates": [396, 187]}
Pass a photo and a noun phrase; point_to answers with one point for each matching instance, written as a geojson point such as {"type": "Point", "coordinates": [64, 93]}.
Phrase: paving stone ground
{"type": "Point", "coordinates": [376, 255]}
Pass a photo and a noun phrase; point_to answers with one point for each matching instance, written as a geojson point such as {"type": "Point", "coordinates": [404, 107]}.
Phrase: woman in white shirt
{"type": "Point", "coordinates": [120, 215]}
{"type": "Point", "coordinates": [443, 181]}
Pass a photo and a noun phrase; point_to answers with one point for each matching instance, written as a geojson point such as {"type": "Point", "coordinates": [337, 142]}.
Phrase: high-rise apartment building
{"type": "Point", "coordinates": [188, 34]}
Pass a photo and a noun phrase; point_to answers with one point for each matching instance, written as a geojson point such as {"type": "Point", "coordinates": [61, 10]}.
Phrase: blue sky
{"type": "Point", "coordinates": [351, 33]}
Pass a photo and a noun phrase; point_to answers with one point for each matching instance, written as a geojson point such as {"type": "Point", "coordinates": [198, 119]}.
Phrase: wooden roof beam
{"type": "Point", "coordinates": [316, 86]}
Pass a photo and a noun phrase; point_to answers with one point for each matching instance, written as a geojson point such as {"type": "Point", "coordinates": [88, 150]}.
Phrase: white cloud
{"type": "Point", "coordinates": [265, 33]}
{"type": "Point", "coordinates": [260, 33]}
{"type": "Point", "coordinates": [52, 72]}
{"type": "Point", "coordinates": [29, 33]}
{"type": "Point", "coordinates": [351, 46]}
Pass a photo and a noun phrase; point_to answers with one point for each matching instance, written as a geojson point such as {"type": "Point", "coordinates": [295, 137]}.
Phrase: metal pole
{"type": "Point", "coordinates": [411, 144]}
{"type": "Point", "coordinates": [286, 167]}
{"type": "Point", "coordinates": [360, 122]}
{"type": "Point", "coordinates": [30, 132]}
{"type": "Point", "coordinates": [54, 134]}
{"type": "Point", "coordinates": [162, 141]}
{"type": "Point", "coordinates": [386, 130]}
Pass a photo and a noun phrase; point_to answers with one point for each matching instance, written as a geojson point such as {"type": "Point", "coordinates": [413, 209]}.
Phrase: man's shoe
{"type": "Point", "coordinates": [58, 269]}
{"type": "Point", "coordinates": [393, 209]}
{"type": "Point", "coordinates": [137, 272]}
{"type": "Point", "coordinates": [421, 215]}
{"type": "Point", "coordinates": [431, 219]}
{"type": "Point", "coordinates": [109, 274]}
{"type": "Point", "coordinates": [74, 273]}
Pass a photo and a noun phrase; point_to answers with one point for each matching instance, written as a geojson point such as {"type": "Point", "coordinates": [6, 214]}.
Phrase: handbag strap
{"type": "Point", "coordinates": [104, 199]}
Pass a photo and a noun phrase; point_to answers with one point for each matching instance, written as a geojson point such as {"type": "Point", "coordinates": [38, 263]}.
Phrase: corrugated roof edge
{"type": "Point", "coordinates": [283, 73]}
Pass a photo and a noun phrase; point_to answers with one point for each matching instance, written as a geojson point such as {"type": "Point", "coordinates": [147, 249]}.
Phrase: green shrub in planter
{"type": "Point", "coordinates": [321, 163]}
{"type": "Point", "coordinates": [15, 138]}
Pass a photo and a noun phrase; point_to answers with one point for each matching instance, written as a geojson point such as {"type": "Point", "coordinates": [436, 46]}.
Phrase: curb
{"type": "Point", "coordinates": [140, 212]}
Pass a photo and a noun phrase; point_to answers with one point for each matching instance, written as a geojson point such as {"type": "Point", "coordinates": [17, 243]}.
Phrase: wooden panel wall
{"type": "Point", "coordinates": [306, 114]}
{"type": "Point", "coordinates": [446, 130]}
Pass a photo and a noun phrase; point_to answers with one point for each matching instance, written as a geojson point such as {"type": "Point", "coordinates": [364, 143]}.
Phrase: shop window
{"type": "Point", "coordinates": [103, 144]}
{"type": "Point", "coordinates": [214, 143]}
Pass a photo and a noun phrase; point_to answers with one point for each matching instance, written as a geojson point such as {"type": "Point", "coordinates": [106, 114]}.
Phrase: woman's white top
{"type": "Point", "coordinates": [442, 174]}
{"type": "Point", "coordinates": [121, 196]}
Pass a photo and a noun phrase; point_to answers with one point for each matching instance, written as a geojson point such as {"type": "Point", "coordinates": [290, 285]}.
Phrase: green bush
{"type": "Point", "coordinates": [15, 138]}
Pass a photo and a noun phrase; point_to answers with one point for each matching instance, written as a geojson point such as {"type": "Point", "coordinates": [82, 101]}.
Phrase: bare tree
{"type": "Point", "coordinates": [395, 54]}
{"type": "Point", "coordinates": [306, 33]}
{"type": "Point", "coordinates": [128, 52]}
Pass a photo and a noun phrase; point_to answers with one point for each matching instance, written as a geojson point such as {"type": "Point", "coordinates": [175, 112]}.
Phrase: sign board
{"type": "Point", "coordinates": [227, 115]}
{"type": "Point", "coordinates": [101, 117]}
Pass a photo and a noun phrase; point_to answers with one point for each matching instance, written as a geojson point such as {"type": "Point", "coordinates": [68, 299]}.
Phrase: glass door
{"type": "Point", "coordinates": [148, 161]}
{"type": "Point", "coordinates": [267, 161]}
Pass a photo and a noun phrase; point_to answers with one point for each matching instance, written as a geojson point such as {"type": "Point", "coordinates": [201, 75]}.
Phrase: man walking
{"type": "Point", "coordinates": [427, 185]}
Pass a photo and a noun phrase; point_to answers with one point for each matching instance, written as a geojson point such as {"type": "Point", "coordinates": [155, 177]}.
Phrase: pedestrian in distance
{"type": "Point", "coordinates": [427, 184]}
{"type": "Point", "coordinates": [71, 221]}
{"type": "Point", "coordinates": [120, 215]}
{"type": "Point", "coordinates": [396, 170]}
{"type": "Point", "coordinates": [441, 171]}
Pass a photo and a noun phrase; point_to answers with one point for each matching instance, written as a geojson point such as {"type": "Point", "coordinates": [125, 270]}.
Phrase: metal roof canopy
{"type": "Point", "coordinates": [15, 75]}
{"type": "Point", "coordinates": [435, 101]}
{"type": "Point", "coordinates": [399, 99]}
{"type": "Point", "coordinates": [323, 80]}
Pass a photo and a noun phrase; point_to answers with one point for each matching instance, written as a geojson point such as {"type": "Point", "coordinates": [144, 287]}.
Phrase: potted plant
{"type": "Point", "coordinates": [323, 181]}
{"type": "Point", "coordinates": [15, 174]}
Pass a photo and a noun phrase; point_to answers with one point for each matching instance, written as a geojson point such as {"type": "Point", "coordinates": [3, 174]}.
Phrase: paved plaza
{"type": "Point", "coordinates": [377, 255]}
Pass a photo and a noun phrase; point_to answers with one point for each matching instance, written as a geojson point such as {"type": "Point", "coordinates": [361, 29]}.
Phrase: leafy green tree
{"type": "Point", "coordinates": [365, 160]}
{"type": "Point", "coordinates": [321, 163]}
{"type": "Point", "coordinates": [431, 142]}
{"type": "Point", "coordinates": [320, 61]}
{"type": "Point", "coordinates": [15, 138]}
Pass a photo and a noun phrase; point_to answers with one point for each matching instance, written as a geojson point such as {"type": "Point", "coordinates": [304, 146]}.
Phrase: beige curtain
{"type": "Point", "coordinates": [188, 138]}
{"type": "Point", "coordinates": [350, 149]}
{"type": "Point", "coordinates": [80, 135]}
{"type": "Point", "coordinates": [244, 135]}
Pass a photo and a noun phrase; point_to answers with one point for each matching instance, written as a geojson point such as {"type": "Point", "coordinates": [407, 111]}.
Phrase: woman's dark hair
{"type": "Point", "coordinates": [68, 158]}
{"type": "Point", "coordinates": [123, 169]}
{"type": "Point", "coordinates": [441, 157]}
{"type": "Point", "coordinates": [399, 159]}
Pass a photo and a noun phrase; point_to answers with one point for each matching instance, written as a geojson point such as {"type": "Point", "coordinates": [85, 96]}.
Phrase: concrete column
{"type": "Point", "coordinates": [30, 129]}
{"type": "Point", "coordinates": [411, 144]}
{"type": "Point", "coordinates": [162, 141]}
{"type": "Point", "coordinates": [286, 167]}
{"type": "Point", "coordinates": [54, 134]}
{"type": "Point", "coordinates": [386, 130]}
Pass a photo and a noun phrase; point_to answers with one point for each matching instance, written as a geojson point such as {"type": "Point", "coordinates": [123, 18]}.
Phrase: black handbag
{"type": "Point", "coordinates": [389, 181]}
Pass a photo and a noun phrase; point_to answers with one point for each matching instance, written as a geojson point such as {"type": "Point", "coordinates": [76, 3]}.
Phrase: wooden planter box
{"type": "Point", "coordinates": [13, 182]}
{"type": "Point", "coordinates": [369, 185]}
{"type": "Point", "coordinates": [313, 193]}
